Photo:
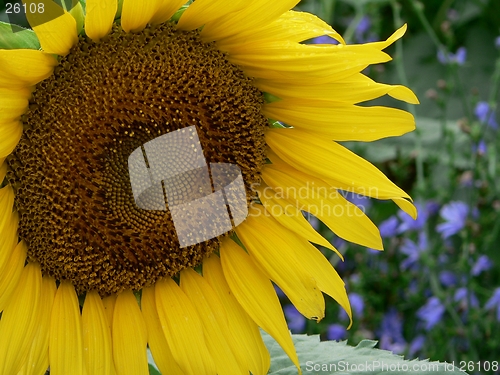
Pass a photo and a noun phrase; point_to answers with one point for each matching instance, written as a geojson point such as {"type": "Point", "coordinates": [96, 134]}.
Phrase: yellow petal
{"type": "Point", "coordinates": [183, 329]}
{"type": "Point", "coordinates": [166, 10]}
{"type": "Point", "coordinates": [96, 336]}
{"type": "Point", "coordinates": [55, 28]}
{"type": "Point", "coordinates": [38, 357]}
{"type": "Point", "coordinates": [20, 320]}
{"type": "Point", "coordinates": [315, 196]}
{"type": "Point", "coordinates": [256, 295]}
{"type": "Point", "coordinates": [293, 26]}
{"type": "Point", "coordinates": [354, 89]}
{"type": "Point", "coordinates": [290, 217]}
{"type": "Point", "coordinates": [327, 279]}
{"type": "Point", "coordinates": [407, 207]}
{"type": "Point", "coordinates": [9, 222]}
{"type": "Point", "coordinates": [341, 122]}
{"type": "Point", "coordinates": [330, 63]}
{"type": "Point", "coordinates": [109, 307]}
{"type": "Point", "coordinates": [9, 239]}
{"type": "Point", "coordinates": [331, 162]}
{"type": "Point", "coordinates": [256, 14]}
{"type": "Point", "coordinates": [269, 244]}
{"type": "Point", "coordinates": [13, 103]}
{"type": "Point", "coordinates": [3, 169]}
{"type": "Point", "coordinates": [156, 338]}
{"type": "Point", "coordinates": [129, 336]}
{"type": "Point", "coordinates": [249, 347]}
{"type": "Point", "coordinates": [100, 17]}
{"type": "Point", "coordinates": [10, 277]}
{"type": "Point", "coordinates": [24, 67]}
{"type": "Point", "coordinates": [10, 134]}
{"type": "Point", "coordinates": [203, 11]}
{"type": "Point", "coordinates": [65, 339]}
{"type": "Point", "coordinates": [395, 36]}
{"type": "Point", "coordinates": [218, 337]}
{"type": "Point", "coordinates": [136, 14]}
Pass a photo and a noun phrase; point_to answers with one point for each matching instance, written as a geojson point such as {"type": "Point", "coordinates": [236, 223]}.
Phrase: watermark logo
{"type": "Point", "coordinates": [38, 11]}
{"type": "Point", "coordinates": [171, 172]}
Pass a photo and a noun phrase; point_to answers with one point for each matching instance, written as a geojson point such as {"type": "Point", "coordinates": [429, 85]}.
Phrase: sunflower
{"type": "Point", "coordinates": [89, 280]}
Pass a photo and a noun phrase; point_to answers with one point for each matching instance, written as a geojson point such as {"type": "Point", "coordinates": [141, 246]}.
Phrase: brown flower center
{"type": "Point", "coordinates": [104, 100]}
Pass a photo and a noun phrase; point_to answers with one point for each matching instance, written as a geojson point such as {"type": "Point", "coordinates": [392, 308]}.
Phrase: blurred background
{"type": "Point", "coordinates": [435, 290]}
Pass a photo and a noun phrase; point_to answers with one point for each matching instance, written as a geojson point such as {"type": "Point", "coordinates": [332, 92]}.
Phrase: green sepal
{"type": "Point", "coordinates": [119, 10]}
{"type": "Point", "coordinates": [16, 37]}
{"type": "Point", "coordinates": [177, 15]}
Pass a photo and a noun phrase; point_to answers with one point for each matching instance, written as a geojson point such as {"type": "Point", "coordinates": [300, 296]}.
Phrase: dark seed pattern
{"type": "Point", "coordinates": [105, 99]}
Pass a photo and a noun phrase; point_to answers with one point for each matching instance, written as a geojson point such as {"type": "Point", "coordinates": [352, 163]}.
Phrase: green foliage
{"type": "Point", "coordinates": [331, 357]}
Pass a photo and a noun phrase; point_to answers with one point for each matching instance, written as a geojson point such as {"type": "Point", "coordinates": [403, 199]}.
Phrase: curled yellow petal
{"type": "Point", "coordinates": [255, 293]}
{"type": "Point", "coordinates": [183, 329]}
{"type": "Point", "coordinates": [219, 339]}
{"type": "Point", "coordinates": [156, 338]}
{"type": "Point", "coordinates": [268, 243]}
{"type": "Point", "coordinates": [315, 155]}
{"type": "Point", "coordinates": [341, 122]}
{"type": "Point", "coordinates": [313, 195]}
{"type": "Point", "coordinates": [249, 347]}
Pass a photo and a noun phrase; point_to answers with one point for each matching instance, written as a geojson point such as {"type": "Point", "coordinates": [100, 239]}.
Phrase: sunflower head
{"type": "Point", "coordinates": [90, 276]}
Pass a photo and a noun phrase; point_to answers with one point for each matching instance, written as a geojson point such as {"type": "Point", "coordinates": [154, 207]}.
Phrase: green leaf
{"type": "Point", "coordinates": [153, 370]}
{"type": "Point", "coordinates": [331, 357]}
{"type": "Point", "coordinates": [15, 37]}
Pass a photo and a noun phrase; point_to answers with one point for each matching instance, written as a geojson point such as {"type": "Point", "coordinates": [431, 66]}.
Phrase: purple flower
{"type": "Point", "coordinates": [408, 223]}
{"type": "Point", "coordinates": [313, 220]}
{"type": "Point", "coordinates": [431, 313]}
{"type": "Point", "coordinates": [483, 263]}
{"type": "Point", "coordinates": [497, 42]}
{"type": "Point", "coordinates": [494, 302]}
{"type": "Point", "coordinates": [278, 291]}
{"type": "Point", "coordinates": [364, 203]}
{"type": "Point", "coordinates": [413, 250]}
{"type": "Point", "coordinates": [296, 321]}
{"type": "Point", "coordinates": [480, 148]}
{"type": "Point", "coordinates": [455, 215]}
{"type": "Point", "coordinates": [362, 33]}
{"type": "Point", "coordinates": [324, 39]}
{"type": "Point", "coordinates": [336, 332]}
{"type": "Point", "coordinates": [466, 298]}
{"type": "Point", "coordinates": [458, 58]}
{"type": "Point", "coordinates": [485, 114]}
{"type": "Point", "coordinates": [432, 208]}
{"type": "Point", "coordinates": [388, 228]}
{"type": "Point", "coordinates": [357, 305]}
{"type": "Point", "coordinates": [447, 278]}
{"type": "Point", "coordinates": [391, 332]}
{"type": "Point", "coordinates": [416, 345]}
